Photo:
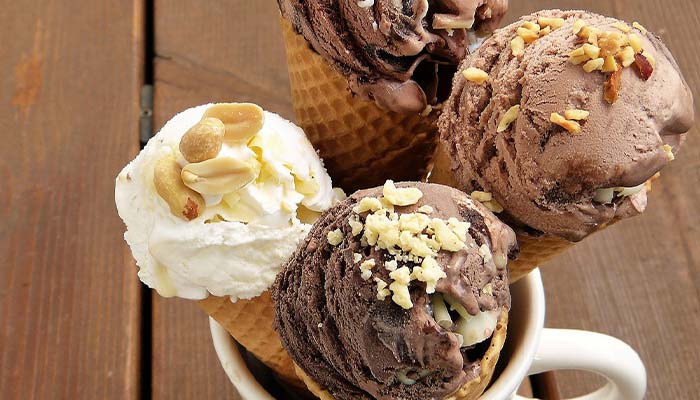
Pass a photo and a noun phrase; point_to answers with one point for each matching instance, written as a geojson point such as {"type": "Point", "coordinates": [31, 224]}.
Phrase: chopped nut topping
{"type": "Point", "coordinates": [517, 46]}
{"type": "Point", "coordinates": [545, 31]}
{"type": "Point", "coordinates": [578, 25]}
{"type": "Point", "coordinates": [528, 35]}
{"type": "Point", "coordinates": [401, 196]}
{"type": "Point", "coordinates": [591, 51]}
{"type": "Point", "coordinates": [430, 273]}
{"type": "Point", "coordinates": [382, 291]}
{"type": "Point", "coordinates": [367, 204]}
{"type": "Point", "coordinates": [627, 56]}
{"type": "Point", "coordinates": [608, 51]}
{"type": "Point", "coordinates": [639, 27]}
{"type": "Point", "coordinates": [579, 59]}
{"type": "Point", "coordinates": [335, 237]}
{"type": "Point", "coordinates": [577, 52]}
{"type": "Point", "coordinates": [414, 222]}
{"type": "Point", "coordinates": [571, 126]}
{"type": "Point", "coordinates": [610, 64]}
{"type": "Point", "coordinates": [593, 65]}
{"type": "Point", "coordinates": [475, 75]}
{"type": "Point", "coordinates": [643, 66]}
{"type": "Point", "coordinates": [401, 296]}
{"type": "Point", "coordinates": [510, 116]}
{"type": "Point", "coordinates": [531, 26]}
{"type": "Point", "coordinates": [481, 196]}
{"type": "Point", "coordinates": [589, 33]}
{"type": "Point", "coordinates": [649, 57]}
{"type": "Point", "coordinates": [555, 23]}
{"type": "Point", "coordinates": [444, 235]}
{"type": "Point", "coordinates": [669, 152]}
{"type": "Point", "coordinates": [355, 225]}
{"type": "Point", "coordinates": [576, 115]}
{"type": "Point", "coordinates": [610, 43]}
{"type": "Point", "coordinates": [612, 86]}
{"type": "Point", "coordinates": [412, 238]}
{"type": "Point", "coordinates": [622, 26]}
{"type": "Point", "coordinates": [366, 268]}
{"type": "Point", "coordinates": [636, 43]}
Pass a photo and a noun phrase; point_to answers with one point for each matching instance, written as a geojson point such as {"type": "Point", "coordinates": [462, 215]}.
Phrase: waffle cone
{"type": "Point", "coordinates": [534, 251]}
{"type": "Point", "coordinates": [362, 145]}
{"type": "Point", "coordinates": [470, 391]}
{"type": "Point", "coordinates": [250, 323]}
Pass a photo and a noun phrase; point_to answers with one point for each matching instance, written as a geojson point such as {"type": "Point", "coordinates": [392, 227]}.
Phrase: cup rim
{"type": "Point", "coordinates": [507, 383]}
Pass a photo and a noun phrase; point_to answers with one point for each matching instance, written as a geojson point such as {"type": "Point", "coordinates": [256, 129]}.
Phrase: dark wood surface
{"type": "Point", "coordinates": [74, 322]}
{"type": "Point", "coordinates": [70, 301]}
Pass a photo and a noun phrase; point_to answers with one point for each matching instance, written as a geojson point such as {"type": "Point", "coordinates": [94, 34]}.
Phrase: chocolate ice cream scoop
{"type": "Point", "coordinates": [396, 292]}
{"type": "Point", "coordinates": [562, 117]}
{"type": "Point", "coordinates": [400, 54]}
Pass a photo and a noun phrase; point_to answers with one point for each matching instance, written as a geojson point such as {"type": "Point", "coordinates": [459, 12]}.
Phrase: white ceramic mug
{"type": "Point", "coordinates": [530, 349]}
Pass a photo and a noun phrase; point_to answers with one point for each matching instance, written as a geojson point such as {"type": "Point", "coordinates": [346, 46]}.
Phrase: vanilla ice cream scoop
{"type": "Point", "coordinates": [219, 199]}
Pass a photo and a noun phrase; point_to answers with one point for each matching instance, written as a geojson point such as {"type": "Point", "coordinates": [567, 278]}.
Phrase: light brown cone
{"type": "Point", "coordinates": [534, 251]}
{"type": "Point", "coordinates": [362, 145]}
{"type": "Point", "coordinates": [250, 323]}
{"type": "Point", "coordinates": [470, 391]}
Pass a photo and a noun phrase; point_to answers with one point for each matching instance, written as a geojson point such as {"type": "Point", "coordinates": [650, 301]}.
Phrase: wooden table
{"type": "Point", "coordinates": [75, 321]}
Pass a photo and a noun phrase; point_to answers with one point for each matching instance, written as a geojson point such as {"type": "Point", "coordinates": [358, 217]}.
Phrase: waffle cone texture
{"type": "Point", "coordinates": [250, 323]}
{"type": "Point", "coordinates": [361, 144]}
{"type": "Point", "coordinates": [469, 391]}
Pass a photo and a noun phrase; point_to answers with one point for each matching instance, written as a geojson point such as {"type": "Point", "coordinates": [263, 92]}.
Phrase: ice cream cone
{"type": "Point", "coordinates": [361, 144]}
{"type": "Point", "coordinates": [250, 323]}
{"type": "Point", "coordinates": [534, 251]}
{"type": "Point", "coordinates": [470, 391]}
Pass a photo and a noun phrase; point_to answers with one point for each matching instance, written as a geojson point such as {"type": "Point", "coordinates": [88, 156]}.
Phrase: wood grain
{"type": "Point", "coordinates": [638, 280]}
{"type": "Point", "coordinates": [184, 362]}
{"type": "Point", "coordinates": [229, 50]}
{"type": "Point", "coordinates": [69, 296]}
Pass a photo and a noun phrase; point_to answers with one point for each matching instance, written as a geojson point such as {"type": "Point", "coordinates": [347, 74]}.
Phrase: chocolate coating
{"type": "Point", "coordinates": [544, 176]}
{"type": "Point", "coordinates": [352, 344]}
{"type": "Point", "coordinates": [389, 51]}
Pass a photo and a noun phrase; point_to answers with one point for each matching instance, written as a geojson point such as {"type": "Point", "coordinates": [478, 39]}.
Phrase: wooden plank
{"type": "Point", "coordinates": [227, 51]}
{"type": "Point", "coordinates": [184, 362]}
{"type": "Point", "coordinates": [69, 295]}
{"type": "Point", "coordinates": [639, 280]}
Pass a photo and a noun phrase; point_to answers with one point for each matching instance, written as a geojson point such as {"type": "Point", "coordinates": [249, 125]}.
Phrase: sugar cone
{"type": "Point", "coordinates": [250, 323]}
{"type": "Point", "coordinates": [362, 145]}
{"type": "Point", "coordinates": [534, 251]}
{"type": "Point", "coordinates": [470, 391]}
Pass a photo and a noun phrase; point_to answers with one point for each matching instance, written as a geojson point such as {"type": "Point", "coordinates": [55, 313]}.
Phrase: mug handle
{"type": "Point", "coordinates": [589, 351]}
